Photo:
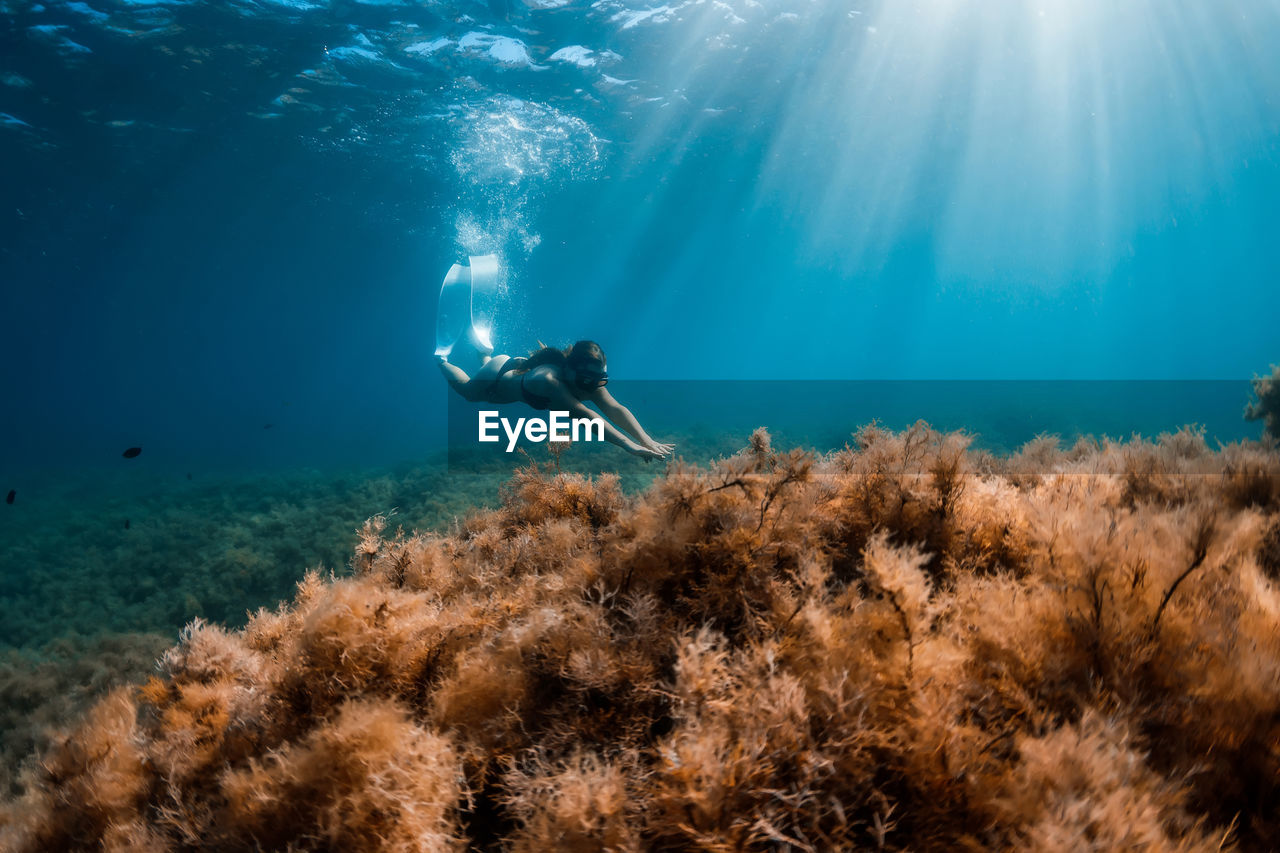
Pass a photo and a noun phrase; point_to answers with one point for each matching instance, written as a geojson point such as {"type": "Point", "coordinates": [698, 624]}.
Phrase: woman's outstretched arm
{"type": "Point", "coordinates": [621, 415]}
{"type": "Point", "coordinates": [562, 399]}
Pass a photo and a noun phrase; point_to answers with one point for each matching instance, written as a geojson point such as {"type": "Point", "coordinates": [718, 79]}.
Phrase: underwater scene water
{"type": "Point", "coordinates": [996, 277]}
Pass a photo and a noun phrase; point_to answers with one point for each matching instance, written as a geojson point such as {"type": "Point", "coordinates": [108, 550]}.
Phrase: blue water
{"type": "Point", "coordinates": [223, 224]}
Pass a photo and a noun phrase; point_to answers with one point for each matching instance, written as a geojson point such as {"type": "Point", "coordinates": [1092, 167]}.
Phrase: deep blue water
{"type": "Point", "coordinates": [223, 225]}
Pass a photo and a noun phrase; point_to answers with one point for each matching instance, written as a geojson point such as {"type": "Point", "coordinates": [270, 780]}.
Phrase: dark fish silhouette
{"type": "Point", "coordinates": [188, 475]}
{"type": "Point", "coordinates": [126, 524]}
{"type": "Point", "coordinates": [131, 452]}
{"type": "Point", "coordinates": [267, 426]}
{"type": "Point", "coordinates": [13, 493]}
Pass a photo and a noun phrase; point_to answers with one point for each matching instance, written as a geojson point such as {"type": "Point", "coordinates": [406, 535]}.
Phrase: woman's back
{"type": "Point", "coordinates": [536, 385]}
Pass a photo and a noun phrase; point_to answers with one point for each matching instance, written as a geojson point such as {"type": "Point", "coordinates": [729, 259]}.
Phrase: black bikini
{"type": "Point", "coordinates": [536, 401]}
{"type": "Point", "coordinates": [510, 364]}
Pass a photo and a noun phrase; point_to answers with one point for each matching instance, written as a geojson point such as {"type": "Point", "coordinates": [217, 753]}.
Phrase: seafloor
{"type": "Point", "coordinates": [904, 644]}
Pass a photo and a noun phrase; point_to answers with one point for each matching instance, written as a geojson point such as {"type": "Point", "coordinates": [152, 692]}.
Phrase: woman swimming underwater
{"type": "Point", "coordinates": [553, 379]}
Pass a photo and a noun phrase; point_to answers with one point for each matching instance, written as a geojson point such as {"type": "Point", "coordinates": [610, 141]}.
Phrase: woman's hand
{"type": "Point", "coordinates": [645, 453]}
{"type": "Point", "coordinates": [657, 447]}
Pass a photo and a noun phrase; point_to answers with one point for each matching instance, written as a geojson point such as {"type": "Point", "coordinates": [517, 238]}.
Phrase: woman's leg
{"type": "Point", "coordinates": [475, 387]}
{"type": "Point", "coordinates": [455, 376]}
{"type": "Point", "coordinates": [492, 367]}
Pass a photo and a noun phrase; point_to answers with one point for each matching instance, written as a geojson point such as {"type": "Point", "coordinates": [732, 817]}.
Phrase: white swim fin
{"type": "Point", "coordinates": [484, 301]}
{"type": "Point", "coordinates": [454, 312]}
{"type": "Point", "coordinates": [468, 303]}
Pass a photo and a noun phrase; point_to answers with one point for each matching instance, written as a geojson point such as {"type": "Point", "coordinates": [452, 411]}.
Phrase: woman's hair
{"type": "Point", "coordinates": [584, 353]}
{"type": "Point", "coordinates": [580, 354]}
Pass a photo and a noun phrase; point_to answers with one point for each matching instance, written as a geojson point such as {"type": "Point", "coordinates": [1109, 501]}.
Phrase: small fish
{"type": "Point", "coordinates": [126, 524]}
{"type": "Point", "coordinates": [9, 498]}
{"type": "Point", "coordinates": [188, 475]}
{"type": "Point", "coordinates": [267, 426]}
{"type": "Point", "coordinates": [131, 452]}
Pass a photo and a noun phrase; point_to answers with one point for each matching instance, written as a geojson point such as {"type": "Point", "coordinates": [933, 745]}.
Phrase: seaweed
{"type": "Point", "coordinates": [1266, 407]}
{"type": "Point", "coordinates": [902, 644]}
